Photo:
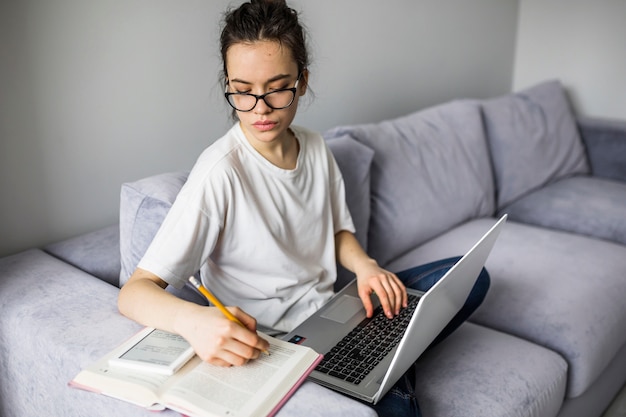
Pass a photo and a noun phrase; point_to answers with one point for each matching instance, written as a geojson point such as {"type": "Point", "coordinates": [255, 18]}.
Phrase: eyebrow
{"type": "Point", "coordinates": [271, 80]}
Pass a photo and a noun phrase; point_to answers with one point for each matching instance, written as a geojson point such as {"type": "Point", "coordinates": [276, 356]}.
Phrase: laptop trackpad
{"type": "Point", "coordinates": [343, 309]}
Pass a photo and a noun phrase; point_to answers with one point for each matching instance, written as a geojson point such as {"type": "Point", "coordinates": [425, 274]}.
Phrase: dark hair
{"type": "Point", "coordinates": [265, 20]}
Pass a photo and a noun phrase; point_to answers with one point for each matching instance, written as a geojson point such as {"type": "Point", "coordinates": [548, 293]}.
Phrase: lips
{"type": "Point", "coordinates": [264, 125]}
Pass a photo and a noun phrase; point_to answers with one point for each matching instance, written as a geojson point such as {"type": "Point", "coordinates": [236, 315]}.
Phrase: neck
{"type": "Point", "coordinates": [282, 152]}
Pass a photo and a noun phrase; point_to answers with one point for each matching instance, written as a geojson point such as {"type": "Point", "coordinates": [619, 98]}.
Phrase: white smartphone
{"type": "Point", "coordinates": [158, 351]}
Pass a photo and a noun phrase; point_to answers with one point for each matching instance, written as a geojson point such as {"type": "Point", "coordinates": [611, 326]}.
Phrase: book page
{"type": "Point", "coordinates": [252, 389]}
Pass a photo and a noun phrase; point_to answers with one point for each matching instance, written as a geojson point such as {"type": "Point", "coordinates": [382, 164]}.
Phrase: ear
{"type": "Point", "coordinates": [304, 82]}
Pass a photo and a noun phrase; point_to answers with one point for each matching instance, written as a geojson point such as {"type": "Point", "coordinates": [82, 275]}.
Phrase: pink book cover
{"type": "Point", "coordinates": [296, 386]}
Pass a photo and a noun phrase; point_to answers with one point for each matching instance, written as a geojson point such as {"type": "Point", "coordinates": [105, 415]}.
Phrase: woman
{"type": "Point", "coordinates": [263, 214]}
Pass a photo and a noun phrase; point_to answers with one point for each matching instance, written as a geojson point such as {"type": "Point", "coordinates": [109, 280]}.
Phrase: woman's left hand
{"type": "Point", "coordinates": [390, 291]}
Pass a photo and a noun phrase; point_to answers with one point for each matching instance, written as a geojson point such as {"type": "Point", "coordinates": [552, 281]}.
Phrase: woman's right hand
{"type": "Point", "coordinates": [214, 338]}
{"type": "Point", "coordinates": [218, 340]}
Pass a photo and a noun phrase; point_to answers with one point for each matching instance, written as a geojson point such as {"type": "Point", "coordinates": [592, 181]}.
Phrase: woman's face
{"type": "Point", "coordinates": [259, 68]}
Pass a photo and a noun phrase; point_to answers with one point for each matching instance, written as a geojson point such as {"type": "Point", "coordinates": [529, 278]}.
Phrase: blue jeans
{"type": "Point", "coordinates": [401, 399]}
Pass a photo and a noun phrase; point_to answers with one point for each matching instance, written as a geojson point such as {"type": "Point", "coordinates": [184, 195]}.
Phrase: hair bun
{"type": "Point", "coordinates": [278, 2]}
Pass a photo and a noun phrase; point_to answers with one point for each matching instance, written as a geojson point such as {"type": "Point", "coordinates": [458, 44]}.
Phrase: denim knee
{"type": "Point", "coordinates": [400, 401]}
{"type": "Point", "coordinates": [479, 291]}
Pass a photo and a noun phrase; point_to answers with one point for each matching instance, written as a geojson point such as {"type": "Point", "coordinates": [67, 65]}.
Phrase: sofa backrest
{"type": "Point", "coordinates": [431, 171]}
{"type": "Point", "coordinates": [413, 178]}
{"type": "Point", "coordinates": [143, 206]}
{"type": "Point", "coordinates": [533, 139]}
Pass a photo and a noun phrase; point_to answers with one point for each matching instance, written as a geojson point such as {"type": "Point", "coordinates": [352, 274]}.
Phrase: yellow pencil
{"type": "Point", "coordinates": [217, 303]}
{"type": "Point", "coordinates": [213, 300]}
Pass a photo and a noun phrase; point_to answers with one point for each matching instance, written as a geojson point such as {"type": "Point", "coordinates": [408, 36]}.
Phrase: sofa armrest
{"type": "Point", "coordinates": [97, 253]}
{"type": "Point", "coordinates": [56, 319]}
{"type": "Point", "coordinates": [605, 141]}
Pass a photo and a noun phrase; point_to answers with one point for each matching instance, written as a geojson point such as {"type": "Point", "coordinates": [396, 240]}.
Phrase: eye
{"type": "Point", "coordinates": [281, 87]}
{"type": "Point", "coordinates": [239, 88]}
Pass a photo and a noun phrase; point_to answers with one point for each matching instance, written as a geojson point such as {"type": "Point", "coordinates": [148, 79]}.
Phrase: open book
{"type": "Point", "coordinates": [199, 389]}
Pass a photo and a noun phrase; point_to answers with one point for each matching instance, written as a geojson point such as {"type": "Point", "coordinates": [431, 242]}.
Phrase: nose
{"type": "Point", "coordinates": [261, 107]}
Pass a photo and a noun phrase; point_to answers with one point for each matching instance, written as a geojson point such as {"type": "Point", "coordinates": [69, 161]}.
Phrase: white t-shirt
{"type": "Point", "coordinates": [262, 236]}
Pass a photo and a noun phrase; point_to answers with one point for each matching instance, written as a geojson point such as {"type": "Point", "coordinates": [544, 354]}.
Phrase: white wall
{"type": "Point", "coordinates": [95, 93]}
{"type": "Point", "coordinates": [583, 43]}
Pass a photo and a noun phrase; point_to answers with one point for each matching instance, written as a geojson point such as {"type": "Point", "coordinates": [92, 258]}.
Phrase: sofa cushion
{"type": "Point", "coordinates": [97, 253]}
{"type": "Point", "coordinates": [605, 142]}
{"type": "Point", "coordinates": [584, 205]}
{"type": "Point", "coordinates": [431, 171]}
{"type": "Point", "coordinates": [556, 289]}
{"type": "Point", "coordinates": [533, 138]}
{"type": "Point", "coordinates": [478, 371]}
{"type": "Point", "coordinates": [143, 206]}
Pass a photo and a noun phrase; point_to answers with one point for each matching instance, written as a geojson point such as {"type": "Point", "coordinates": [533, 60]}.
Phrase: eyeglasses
{"type": "Point", "coordinates": [276, 99]}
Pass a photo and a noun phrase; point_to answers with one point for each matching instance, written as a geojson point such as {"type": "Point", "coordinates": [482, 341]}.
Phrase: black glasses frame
{"type": "Point", "coordinates": [262, 97]}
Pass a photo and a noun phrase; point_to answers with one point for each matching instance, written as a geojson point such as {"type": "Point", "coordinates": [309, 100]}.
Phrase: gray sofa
{"type": "Point", "coordinates": [549, 339]}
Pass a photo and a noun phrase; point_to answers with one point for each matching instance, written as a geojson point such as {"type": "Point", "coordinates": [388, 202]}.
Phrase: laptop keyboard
{"type": "Point", "coordinates": [356, 355]}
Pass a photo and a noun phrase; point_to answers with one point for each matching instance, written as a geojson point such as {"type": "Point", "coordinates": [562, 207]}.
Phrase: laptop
{"type": "Point", "coordinates": [365, 363]}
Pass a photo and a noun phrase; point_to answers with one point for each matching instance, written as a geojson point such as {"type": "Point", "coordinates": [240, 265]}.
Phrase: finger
{"type": "Point", "coordinates": [387, 299]}
{"type": "Point", "coordinates": [365, 295]}
{"type": "Point", "coordinates": [236, 344]}
{"type": "Point", "coordinates": [383, 298]}
{"type": "Point", "coordinates": [405, 296]}
{"type": "Point", "coordinates": [247, 320]}
{"type": "Point", "coordinates": [399, 294]}
{"type": "Point", "coordinates": [223, 354]}
{"type": "Point", "coordinates": [251, 348]}
{"type": "Point", "coordinates": [219, 362]}
{"type": "Point", "coordinates": [237, 353]}
{"type": "Point", "coordinates": [228, 358]}
{"type": "Point", "coordinates": [250, 323]}
{"type": "Point", "coordinates": [261, 346]}
{"type": "Point", "coordinates": [251, 340]}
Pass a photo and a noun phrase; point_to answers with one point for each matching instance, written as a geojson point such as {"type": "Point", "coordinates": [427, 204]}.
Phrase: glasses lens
{"type": "Point", "coordinates": [242, 102]}
{"type": "Point", "coordinates": [279, 99]}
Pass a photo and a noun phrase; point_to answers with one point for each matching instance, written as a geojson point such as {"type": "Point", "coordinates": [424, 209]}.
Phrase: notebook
{"type": "Point", "coordinates": [378, 358]}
